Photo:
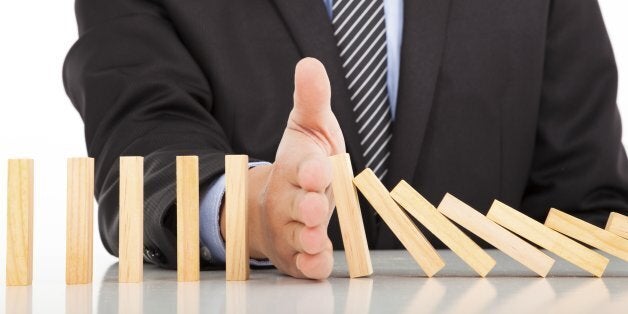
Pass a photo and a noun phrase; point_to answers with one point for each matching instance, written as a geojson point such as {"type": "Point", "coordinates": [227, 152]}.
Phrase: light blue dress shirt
{"type": "Point", "coordinates": [212, 243]}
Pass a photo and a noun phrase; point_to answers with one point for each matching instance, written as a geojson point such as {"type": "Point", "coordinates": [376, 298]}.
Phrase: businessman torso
{"type": "Point", "coordinates": [496, 98]}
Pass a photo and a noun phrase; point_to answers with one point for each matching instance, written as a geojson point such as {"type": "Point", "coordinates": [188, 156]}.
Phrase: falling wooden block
{"type": "Point", "coordinates": [188, 258]}
{"type": "Point", "coordinates": [547, 238]}
{"type": "Point", "coordinates": [618, 224]}
{"type": "Point", "coordinates": [585, 232]}
{"type": "Point", "coordinates": [131, 223]}
{"type": "Point", "coordinates": [20, 223]}
{"type": "Point", "coordinates": [421, 209]}
{"type": "Point", "coordinates": [350, 217]}
{"type": "Point", "coordinates": [236, 217]}
{"type": "Point", "coordinates": [500, 238]}
{"type": "Point", "coordinates": [399, 223]}
{"type": "Point", "coordinates": [80, 220]}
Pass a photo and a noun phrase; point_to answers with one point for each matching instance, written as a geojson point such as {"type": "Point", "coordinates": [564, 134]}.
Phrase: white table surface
{"type": "Point", "coordinates": [397, 285]}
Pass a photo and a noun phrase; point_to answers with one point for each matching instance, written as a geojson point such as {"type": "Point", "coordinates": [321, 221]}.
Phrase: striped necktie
{"type": "Point", "coordinates": [360, 32]}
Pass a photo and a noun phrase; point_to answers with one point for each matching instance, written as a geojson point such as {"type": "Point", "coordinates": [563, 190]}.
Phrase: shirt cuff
{"type": "Point", "coordinates": [212, 243]}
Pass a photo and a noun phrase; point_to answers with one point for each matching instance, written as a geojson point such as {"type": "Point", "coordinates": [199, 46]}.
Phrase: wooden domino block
{"type": "Point", "coordinates": [585, 232]}
{"type": "Point", "coordinates": [399, 223]}
{"type": "Point", "coordinates": [618, 224]}
{"type": "Point", "coordinates": [547, 238]}
{"type": "Point", "coordinates": [500, 238]}
{"type": "Point", "coordinates": [80, 220]}
{"type": "Point", "coordinates": [131, 223]}
{"type": "Point", "coordinates": [20, 223]}
{"type": "Point", "coordinates": [188, 258]}
{"type": "Point", "coordinates": [236, 217]}
{"type": "Point", "coordinates": [350, 217]}
{"type": "Point", "coordinates": [421, 209]}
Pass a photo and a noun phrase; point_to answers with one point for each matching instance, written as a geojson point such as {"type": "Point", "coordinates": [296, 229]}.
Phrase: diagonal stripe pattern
{"type": "Point", "coordinates": [360, 32]}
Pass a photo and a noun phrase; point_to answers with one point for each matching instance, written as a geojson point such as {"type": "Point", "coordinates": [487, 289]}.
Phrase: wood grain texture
{"type": "Point", "coordinates": [131, 223]}
{"type": "Point", "coordinates": [188, 255]}
{"type": "Point", "coordinates": [502, 239]}
{"type": "Point", "coordinates": [236, 217]}
{"type": "Point", "coordinates": [618, 224]}
{"type": "Point", "coordinates": [350, 217]}
{"type": "Point", "coordinates": [399, 223]}
{"type": "Point", "coordinates": [547, 238]}
{"type": "Point", "coordinates": [585, 232]}
{"type": "Point", "coordinates": [423, 211]}
{"type": "Point", "coordinates": [20, 222]}
{"type": "Point", "coordinates": [80, 220]}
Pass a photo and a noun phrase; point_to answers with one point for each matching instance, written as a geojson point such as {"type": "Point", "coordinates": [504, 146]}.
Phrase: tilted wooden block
{"type": "Point", "coordinates": [500, 238]}
{"type": "Point", "coordinates": [618, 224]}
{"type": "Point", "coordinates": [20, 223]}
{"type": "Point", "coordinates": [188, 258]}
{"type": "Point", "coordinates": [547, 238]}
{"type": "Point", "coordinates": [350, 217]}
{"type": "Point", "coordinates": [79, 224]}
{"type": "Point", "coordinates": [421, 209]}
{"type": "Point", "coordinates": [585, 232]}
{"type": "Point", "coordinates": [399, 223]}
{"type": "Point", "coordinates": [236, 217]}
{"type": "Point", "coordinates": [131, 223]}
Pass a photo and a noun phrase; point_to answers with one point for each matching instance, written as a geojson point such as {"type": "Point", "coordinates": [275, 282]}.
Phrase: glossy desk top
{"type": "Point", "coordinates": [397, 285]}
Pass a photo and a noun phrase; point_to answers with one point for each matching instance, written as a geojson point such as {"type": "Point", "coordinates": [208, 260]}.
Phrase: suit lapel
{"type": "Point", "coordinates": [424, 30]}
{"type": "Point", "coordinates": [312, 31]}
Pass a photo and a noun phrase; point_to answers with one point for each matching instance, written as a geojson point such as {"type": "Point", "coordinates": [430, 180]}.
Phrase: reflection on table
{"type": "Point", "coordinates": [397, 285]}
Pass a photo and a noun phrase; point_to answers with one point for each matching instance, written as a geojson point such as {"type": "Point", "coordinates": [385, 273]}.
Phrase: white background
{"type": "Point", "coordinates": [38, 121]}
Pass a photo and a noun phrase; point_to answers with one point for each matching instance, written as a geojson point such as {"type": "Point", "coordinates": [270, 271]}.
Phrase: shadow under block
{"type": "Point", "coordinates": [585, 232]}
{"type": "Point", "coordinates": [131, 224]}
{"type": "Point", "coordinates": [399, 223]}
{"type": "Point", "coordinates": [80, 220]}
{"type": "Point", "coordinates": [350, 217]}
{"type": "Point", "coordinates": [502, 239]}
{"type": "Point", "coordinates": [20, 223]}
{"type": "Point", "coordinates": [547, 238]}
{"type": "Point", "coordinates": [188, 258]}
{"type": "Point", "coordinates": [618, 224]}
{"type": "Point", "coordinates": [236, 217]}
{"type": "Point", "coordinates": [421, 209]}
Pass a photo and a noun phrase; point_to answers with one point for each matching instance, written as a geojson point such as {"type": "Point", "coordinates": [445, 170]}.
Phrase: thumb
{"type": "Point", "coordinates": [312, 94]}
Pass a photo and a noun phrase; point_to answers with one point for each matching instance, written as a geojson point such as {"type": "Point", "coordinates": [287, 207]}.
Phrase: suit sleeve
{"type": "Point", "coordinates": [579, 161]}
{"type": "Point", "coordinates": [140, 92]}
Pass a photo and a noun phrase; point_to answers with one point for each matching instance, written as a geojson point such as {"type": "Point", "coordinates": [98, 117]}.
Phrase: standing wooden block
{"type": "Point", "coordinates": [618, 224]}
{"type": "Point", "coordinates": [585, 232]}
{"type": "Point", "coordinates": [442, 228]}
{"type": "Point", "coordinates": [80, 220]}
{"type": "Point", "coordinates": [399, 223]}
{"type": "Point", "coordinates": [20, 223]}
{"type": "Point", "coordinates": [236, 217]}
{"type": "Point", "coordinates": [188, 258]}
{"type": "Point", "coordinates": [500, 238]}
{"type": "Point", "coordinates": [131, 223]}
{"type": "Point", "coordinates": [350, 217]}
{"type": "Point", "coordinates": [547, 238]}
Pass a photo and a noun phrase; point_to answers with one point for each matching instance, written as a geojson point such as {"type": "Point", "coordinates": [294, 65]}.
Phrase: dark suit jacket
{"type": "Point", "coordinates": [505, 99]}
